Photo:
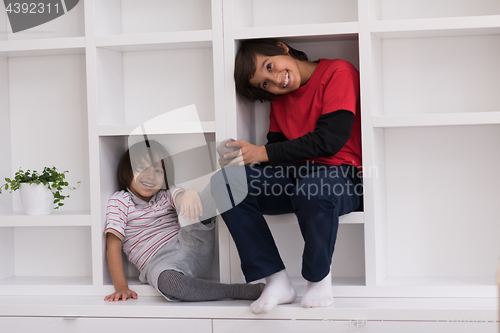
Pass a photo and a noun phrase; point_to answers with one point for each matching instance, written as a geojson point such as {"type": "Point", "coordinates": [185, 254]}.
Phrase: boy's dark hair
{"type": "Point", "coordinates": [244, 68]}
{"type": "Point", "coordinates": [138, 157]}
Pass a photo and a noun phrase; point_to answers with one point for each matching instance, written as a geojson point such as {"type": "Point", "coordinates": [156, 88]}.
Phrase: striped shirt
{"type": "Point", "coordinates": [143, 227]}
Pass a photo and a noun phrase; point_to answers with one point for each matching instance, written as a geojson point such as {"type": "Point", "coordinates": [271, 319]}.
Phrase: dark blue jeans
{"type": "Point", "coordinates": [317, 193]}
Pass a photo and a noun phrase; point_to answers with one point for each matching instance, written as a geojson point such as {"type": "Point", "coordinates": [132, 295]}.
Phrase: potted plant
{"type": "Point", "coordinates": [41, 193]}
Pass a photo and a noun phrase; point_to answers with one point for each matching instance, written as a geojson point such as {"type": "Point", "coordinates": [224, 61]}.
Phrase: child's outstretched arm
{"type": "Point", "coordinates": [115, 265]}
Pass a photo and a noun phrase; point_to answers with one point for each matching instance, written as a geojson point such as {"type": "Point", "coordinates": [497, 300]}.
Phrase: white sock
{"type": "Point", "coordinates": [278, 290]}
{"type": "Point", "coordinates": [318, 294]}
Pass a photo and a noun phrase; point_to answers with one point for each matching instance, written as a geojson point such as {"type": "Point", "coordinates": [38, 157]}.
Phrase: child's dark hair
{"type": "Point", "coordinates": [138, 157]}
{"type": "Point", "coordinates": [244, 68]}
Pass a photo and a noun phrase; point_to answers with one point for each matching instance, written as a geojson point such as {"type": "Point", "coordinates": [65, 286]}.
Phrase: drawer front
{"type": "Point", "coordinates": [97, 325]}
{"type": "Point", "coordinates": [371, 326]}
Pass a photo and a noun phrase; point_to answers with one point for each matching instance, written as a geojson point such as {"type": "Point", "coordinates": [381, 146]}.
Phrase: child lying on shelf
{"type": "Point", "coordinates": [142, 221]}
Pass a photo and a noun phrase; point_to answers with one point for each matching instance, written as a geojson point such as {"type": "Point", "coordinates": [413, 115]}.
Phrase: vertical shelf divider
{"type": "Point", "coordinates": [95, 202]}
{"type": "Point", "coordinates": [374, 202]}
{"type": "Point", "coordinates": [223, 237]}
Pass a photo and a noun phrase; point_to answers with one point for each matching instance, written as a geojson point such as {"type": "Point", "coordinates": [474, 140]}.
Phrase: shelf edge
{"type": "Point", "coordinates": [452, 26]}
{"type": "Point", "coordinates": [343, 28]}
{"type": "Point", "coordinates": [173, 128]}
{"type": "Point", "coordinates": [177, 37]}
{"type": "Point", "coordinates": [82, 219]}
{"type": "Point", "coordinates": [446, 119]}
{"type": "Point", "coordinates": [42, 44]}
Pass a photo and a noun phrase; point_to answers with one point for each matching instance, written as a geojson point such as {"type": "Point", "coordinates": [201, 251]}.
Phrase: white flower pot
{"type": "Point", "coordinates": [37, 199]}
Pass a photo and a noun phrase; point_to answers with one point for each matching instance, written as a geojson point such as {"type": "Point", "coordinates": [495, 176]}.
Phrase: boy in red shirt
{"type": "Point", "coordinates": [310, 166]}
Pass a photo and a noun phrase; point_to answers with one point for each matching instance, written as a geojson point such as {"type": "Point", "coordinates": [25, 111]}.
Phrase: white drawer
{"type": "Point", "coordinates": [98, 325]}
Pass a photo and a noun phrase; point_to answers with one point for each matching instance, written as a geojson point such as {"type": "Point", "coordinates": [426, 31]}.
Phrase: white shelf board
{"type": "Point", "coordinates": [47, 280]}
{"type": "Point", "coordinates": [477, 281]}
{"type": "Point", "coordinates": [340, 29]}
{"type": "Point", "coordinates": [473, 309]}
{"type": "Point", "coordinates": [156, 41]}
{"type": "Point", "coordinates": [351, 218]}
{"type": "Point", "coordinates": [56, 219]}
{"type": "Point", "coordinates": [172, 128]}
{"type": "Point", "coordinates": [65, 285]}
{"type": "Point", "coordinates": [47, 286]}
{"type": "Point", "coordinates": [42, 47]}
{"type": "Point", "coordinates": [456, 26]}
{"type": "Point", "coordinates": [443, 119]}
{"type": "Point", "coordinates": [437, 287]}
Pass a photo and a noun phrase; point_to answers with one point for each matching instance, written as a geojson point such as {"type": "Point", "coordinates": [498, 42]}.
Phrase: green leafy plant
{"type": "Point", "coordinates": [50, 177]}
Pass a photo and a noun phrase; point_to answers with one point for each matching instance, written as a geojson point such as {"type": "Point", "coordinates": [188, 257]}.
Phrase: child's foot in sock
{"type": "Point", "coordinates": [278, 290]}
{"type": "Point", "coordinates": [318, 294]}
{"type": "Point", "coordinates": [248, 291]}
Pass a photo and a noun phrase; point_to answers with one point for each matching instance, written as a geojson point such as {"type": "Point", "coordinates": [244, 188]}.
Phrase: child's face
{"type": "Point", "coordinates": [147, 181]}
{"type": "Point", "coordinates": [277, 74]}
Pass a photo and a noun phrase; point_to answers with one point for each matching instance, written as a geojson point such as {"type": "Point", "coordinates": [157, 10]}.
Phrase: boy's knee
{"type": "Point", "coordinates": [314, 190]}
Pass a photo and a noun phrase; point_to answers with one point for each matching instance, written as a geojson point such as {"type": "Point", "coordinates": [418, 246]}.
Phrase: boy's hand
{"type": "Point", "coordinates": [191, 205]}
{"type": "Point", "coordinates": [224, 149]}
{"type": "Point", "coordinates": [247, 154]}
{"type": "Point", "coordinates": [122, 294]}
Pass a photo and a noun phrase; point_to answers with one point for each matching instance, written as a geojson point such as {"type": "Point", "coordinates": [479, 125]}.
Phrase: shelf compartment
{"type": "Point", "coordinates": [422, 9]}
{"type": "Point", "coordinates": [115, 17]}
{"type": "Point", "coordinates": [71, 24]}
{"type": "Point", "coordinates": [45, 255]}
{"type": "Point", "coordinates": [436, 75]}
{"type": "Point", "coordinates": [137, 86]}
{"type": "Point", "coordinates": [46, 123]}
{"type": "Point", "coordinates": [346, 28]}
{"type": "Point", "coordinates": [348, 263]}
{"type": "Point", "coordinates": [442, 27]}
{"type": "Point", "coordinates": [56, 219]}
{"type": "Point", "coordinates": [251, 122]}
{"type": "Point", "coordinates": [265, 13]}
{"type": "Point", "coordinates": [450, 119]}
{"type": "Point", "coordinates": [182, 148]}
{"type": "Point", "coordinates": [441, 215]}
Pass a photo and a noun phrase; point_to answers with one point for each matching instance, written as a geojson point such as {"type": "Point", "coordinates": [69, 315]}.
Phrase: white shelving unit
{"type": "Point", "coordinates": [428, 78]}
{"type": "Point", "coordinates": [72, 90]}
{"type": "Point", "coordinates": [94, 77]}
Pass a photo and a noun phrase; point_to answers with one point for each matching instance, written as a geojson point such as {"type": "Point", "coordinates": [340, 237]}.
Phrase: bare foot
{"type": "Point", "coordinates": [318, 294]}
{"type": "Point", "coordinates": [278, 290]}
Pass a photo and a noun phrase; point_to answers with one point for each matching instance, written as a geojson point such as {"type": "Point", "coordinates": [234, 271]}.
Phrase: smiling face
{"type": "Point", "coordinates": [147, 181]}
{"type": "Point", "coordinates": [278, 74]}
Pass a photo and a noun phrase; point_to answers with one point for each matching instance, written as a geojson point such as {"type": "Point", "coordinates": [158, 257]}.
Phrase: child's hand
{"type": "Point", "coordinates": [191, 205]}
{"type": "Point", "coordinates": [122, 294]}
